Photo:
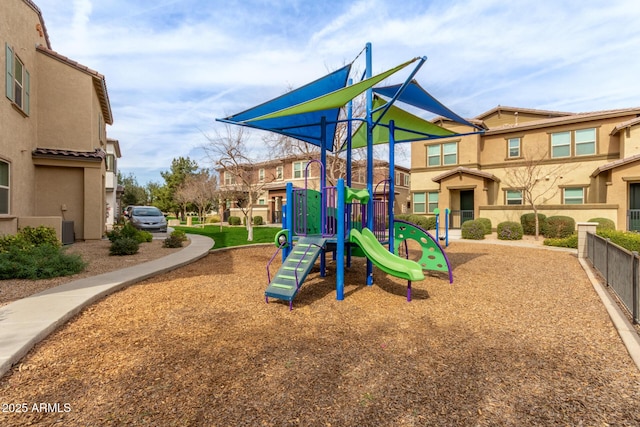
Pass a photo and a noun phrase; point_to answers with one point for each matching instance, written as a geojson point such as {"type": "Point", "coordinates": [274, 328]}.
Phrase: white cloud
{"type": "Point", "coordinates": [172, 67]}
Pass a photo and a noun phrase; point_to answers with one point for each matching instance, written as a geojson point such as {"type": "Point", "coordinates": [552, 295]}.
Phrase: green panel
{"type": "Point", "coordinates": [402, 119]}
{"type": "Point", "coordinates": [335, 99]}
{"type": "Point", "coordinates": [313, 211]}
{"type": "Point", "coordinates": [432, 257]}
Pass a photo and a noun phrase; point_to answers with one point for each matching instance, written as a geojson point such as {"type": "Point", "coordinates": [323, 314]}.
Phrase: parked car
{"type": "Point", "coordinates": [148, 218]}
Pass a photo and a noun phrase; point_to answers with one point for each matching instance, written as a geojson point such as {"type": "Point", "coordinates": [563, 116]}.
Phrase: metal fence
{"type": "Point", "coordinates": [619, 268]}
{"type": "Point", "coordinates": [457, 218]}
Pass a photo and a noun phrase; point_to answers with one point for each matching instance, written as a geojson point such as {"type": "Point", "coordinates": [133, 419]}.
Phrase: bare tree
{"type": "Point", "coordinates": [537, 180]}
{"type": "Point", "coordinates": [200, 190]}
{"type": "Point", "coordinates": [229, 154]}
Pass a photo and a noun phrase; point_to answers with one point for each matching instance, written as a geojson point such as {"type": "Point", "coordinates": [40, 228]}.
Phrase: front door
{"type": "Point", "coordinates": [634, 207]}
{"type": "Point", "coordinates": [466, 205]}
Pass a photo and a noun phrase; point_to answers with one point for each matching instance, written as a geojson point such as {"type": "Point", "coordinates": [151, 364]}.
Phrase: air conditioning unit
{"type": "Point", "coordinates": [68, 235]}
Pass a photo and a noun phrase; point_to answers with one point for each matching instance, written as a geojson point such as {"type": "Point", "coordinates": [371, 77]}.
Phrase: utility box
{"type": "Point", "coordinates": [68, 235]}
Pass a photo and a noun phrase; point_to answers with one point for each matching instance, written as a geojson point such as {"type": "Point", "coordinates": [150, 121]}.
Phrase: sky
{"type": "Point", "coordinates": [173, 66]}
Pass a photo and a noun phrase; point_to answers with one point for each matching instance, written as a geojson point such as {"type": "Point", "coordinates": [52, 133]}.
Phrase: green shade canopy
{"type": "Point", "coordinates": [336, 99]}
{"type": "Point", "coordinates": [403, 120]}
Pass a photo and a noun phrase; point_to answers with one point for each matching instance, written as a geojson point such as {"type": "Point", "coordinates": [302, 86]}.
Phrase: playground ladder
{"type": "Point", "coordinates": [295, 268]}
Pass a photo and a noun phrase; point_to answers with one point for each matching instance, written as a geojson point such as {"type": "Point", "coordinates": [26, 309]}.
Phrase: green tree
{"type": "Point", "coordinates": [134, 193]}
{"type": "Point", "coordinates": [181, 168]}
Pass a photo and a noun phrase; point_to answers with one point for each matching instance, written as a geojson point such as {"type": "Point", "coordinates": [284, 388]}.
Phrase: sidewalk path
{"type": "Point", "coordinates": [25, 322]}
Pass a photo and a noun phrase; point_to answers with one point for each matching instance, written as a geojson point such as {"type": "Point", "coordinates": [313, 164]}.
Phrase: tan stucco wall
{"type": "Point", "coordinates": [67, 200]}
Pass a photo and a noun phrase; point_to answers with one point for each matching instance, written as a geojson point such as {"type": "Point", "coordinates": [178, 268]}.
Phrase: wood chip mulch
{"type": "Point", "coordinates": [520, 338]}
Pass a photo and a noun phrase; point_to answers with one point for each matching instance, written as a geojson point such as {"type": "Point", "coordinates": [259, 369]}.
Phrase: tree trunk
{"type": "Point", "coordinates": [537, 222]}
{"type": "Point", "coordinates": [250, 223]}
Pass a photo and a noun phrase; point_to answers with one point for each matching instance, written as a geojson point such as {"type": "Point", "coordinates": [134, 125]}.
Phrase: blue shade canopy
{"type": "Point", "coordinates": [305, 127]}
{"type": "Point", "coordinates": [415, 95]}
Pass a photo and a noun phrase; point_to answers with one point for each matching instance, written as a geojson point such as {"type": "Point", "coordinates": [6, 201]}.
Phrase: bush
{"type": "Point", "coordinates": [559, 227]}
{"type": "Point", "coordinates": [14, 240]}
{"type": "Point", "coordinates": [40, 235]}
{"type": "Point", "coordinates": [144, 236]}
{"type": "Point", "coordinates": [175, 239]}
{"type": "Point", "coordinates": [473, 230]}
{"type": "Point", "coordinates": [38, 262]}
{"type": "Point", "coordinates": [257, 220]}
{"type": "Point", "coordinates": [528, 222]}
{"type": "Point", "coordinates": [426, 222]}
{"type": "Point", "coordinates": [128, 231]}
{"type": "Point", "coordinates": [486, 224]}
{"type": "Point", "coordinates": [603, 224]}
{"type": "Point", "coordinates": [509, 230]}
{"type": "Point", "coordinates": [234, 220]}
{"type": "Point", "coordinates": [212, 219]}
{"type": "Point", "coordinates": [124, 246]}
{"type": "Point", "coordinates": [629, 241]}
{"type": "Point", "coordinates": [567, 242]}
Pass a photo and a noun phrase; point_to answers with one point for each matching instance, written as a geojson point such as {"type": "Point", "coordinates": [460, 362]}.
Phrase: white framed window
{"type": "Point", "coordinates": [419, 203]}
{"type": "Point", "coordinates": [407, 180]}
{"type": "Point", "coordinates": [298, 170]}
{"type": "Point", "coordinates": [261, 174]}
{"type": "Point", "coordinates": [279, 172]}
{"type": "Point", "coordinates": [442, 154]}
{"type": "Point", "coordinates": [513, 148]}
{"type": "Point", "coordinates": [585, 142]}
{"type": "Point", "coordinates": [4, 188]}
{"type": "Point", "coordinates": [17, 80]}
{"type": "Point", "coordinates": [513, 197]}
{"type": "Point", "coordinates": [261, 201]}
{"type": "Point", "coordinates": [432, 201]}
{"type": "Point", "coordinates": [229, 178]}
{"type": "Point", "coordinates": [573, 196]}
{"type": "Point", "coordinates": [560, 144]}
{"type": "Point", "coordinates": [110, 162]}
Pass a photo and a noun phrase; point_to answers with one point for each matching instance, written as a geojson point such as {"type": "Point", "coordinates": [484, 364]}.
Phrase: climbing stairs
{"type": "Point", "coordinates": [295, 268]}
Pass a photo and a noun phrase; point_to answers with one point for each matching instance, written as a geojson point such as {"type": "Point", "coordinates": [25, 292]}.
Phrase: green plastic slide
{"type": "Point", "coordinates": [383, 259]}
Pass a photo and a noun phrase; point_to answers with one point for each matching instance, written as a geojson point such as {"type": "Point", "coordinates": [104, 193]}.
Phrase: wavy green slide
{"type": "Point", "coordinates": [383, 259]}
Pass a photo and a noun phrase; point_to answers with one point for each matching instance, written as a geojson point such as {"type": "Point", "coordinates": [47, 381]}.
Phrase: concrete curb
{"type": "Point", "coordinates": [625, 329]}
{"type": "Point", "coordinates": [26, 322]}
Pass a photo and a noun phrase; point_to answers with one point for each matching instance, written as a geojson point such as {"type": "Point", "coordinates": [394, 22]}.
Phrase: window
{"type": "Point", "coordinates": [433, 201]}
{"type": "Point", "coordinates": [513, 197]}
{"type": "Point", "coordinates": [4, 188]}
{"type": "Point", "coordinates": [514, 147]}
{"type": "Point", "coordinates": [585, 142]}
{"type": "Point", "coordinates": [229, 178]}
{"type": "Point", "coordinates": [419, 203]}
{"type": "Point", "coordinates": [573, 196]}
{"type": "Point", "coordinates": [110, 162]}
{"type": "Point", "coordinates": [261, 201]}
{"type": "Point", "coordinates": [560, 144]}
{"type": "Point", "coordinates": [261, 174]}
{"type": "Point", "coordinates": [442, 154]}
{"type": "Point", "coordinates": [298, 170]}
{"type": "Point", "coordinates": [18, 80]}
{"type": "Point", "coordinates": [407, 181]}
{"type": "Point", "coordinates": [279, 172]}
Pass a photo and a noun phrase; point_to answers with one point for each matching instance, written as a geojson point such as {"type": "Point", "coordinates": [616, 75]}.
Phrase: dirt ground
{"type": "Point", "coordinates": [519, 338]}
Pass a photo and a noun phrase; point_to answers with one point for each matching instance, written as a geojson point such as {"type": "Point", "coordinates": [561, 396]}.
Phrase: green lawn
{"type": "Point", "coordinates": [233, 236]}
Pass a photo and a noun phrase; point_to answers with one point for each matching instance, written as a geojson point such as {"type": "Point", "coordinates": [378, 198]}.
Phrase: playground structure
{"type": "Point", "coordinates": [339, 219]}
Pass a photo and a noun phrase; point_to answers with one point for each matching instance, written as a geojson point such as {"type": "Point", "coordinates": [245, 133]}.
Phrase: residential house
{"type": "Point", "coordinates": [53, 118]}
{"type": "Point", "coordinates": [582, 165]}
{"type": "Point", "coordinates": [270, 180]}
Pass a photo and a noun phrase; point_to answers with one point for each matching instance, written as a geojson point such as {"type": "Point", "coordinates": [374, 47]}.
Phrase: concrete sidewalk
{"type": "Point", "coordinates": [25, 322]}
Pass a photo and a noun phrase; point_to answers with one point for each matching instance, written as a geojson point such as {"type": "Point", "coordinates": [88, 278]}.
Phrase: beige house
{"type": "Point", "coordinates": [582, 165]}
{"type": "Point", "coordinates": [113, 191]}
{"type": "Point", "coordinates": [53, 118]}
{"type": "Point", "coordinates": [270, 180]}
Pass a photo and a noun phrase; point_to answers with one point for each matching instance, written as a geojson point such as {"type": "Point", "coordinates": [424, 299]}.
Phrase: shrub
{"type": "Point", "coordinates": [212, 219]}
{"type": "Point", "coordinates": [38, 262]}
{"type": "Point", "coordinates": [257, 220]}
{"type": "Point", "coordinates": [603, 224]}
{"type": "Point", "coordinates": [124, 246]}
{"type": "Point", "coordinates": [40, 235]}
{"type": "Point", "coordinates": [528, 222]}
{"type": "Point", "coordinates": [234, 220]}
{"type": "Point", "coordinates": [486, 224]}
{"type": "Point", "coordinates": [130, 232]}
{"type": "Point", "coordinates": [14, 240]}
{"type": "Point", "coordinates": [426, 222]}
{"type": "Point", "coordinates": [559, 227]}
{"type": "Point", "coordinates": [566, 242]}
{"type": "Point", "coordinates": [509, 230]}
{"type": "Point", "coordinates": [175, 239]}
{"type": "Point", "coordinates": [629, 241]}
{"type": "Point", "coordinates": [472, 230]}
{"type": "Point", "coordinates": [144, 236]}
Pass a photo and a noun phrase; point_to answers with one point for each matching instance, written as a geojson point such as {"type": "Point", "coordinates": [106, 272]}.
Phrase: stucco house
{"type": "Point", "coordinates": [582, 165]}
{"type": "Point", "coordinates": [113, 190]}
{"type": "Point", "coordinates": [53, 116]}
{"type": "Point", "coordinates": [271, 177]}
